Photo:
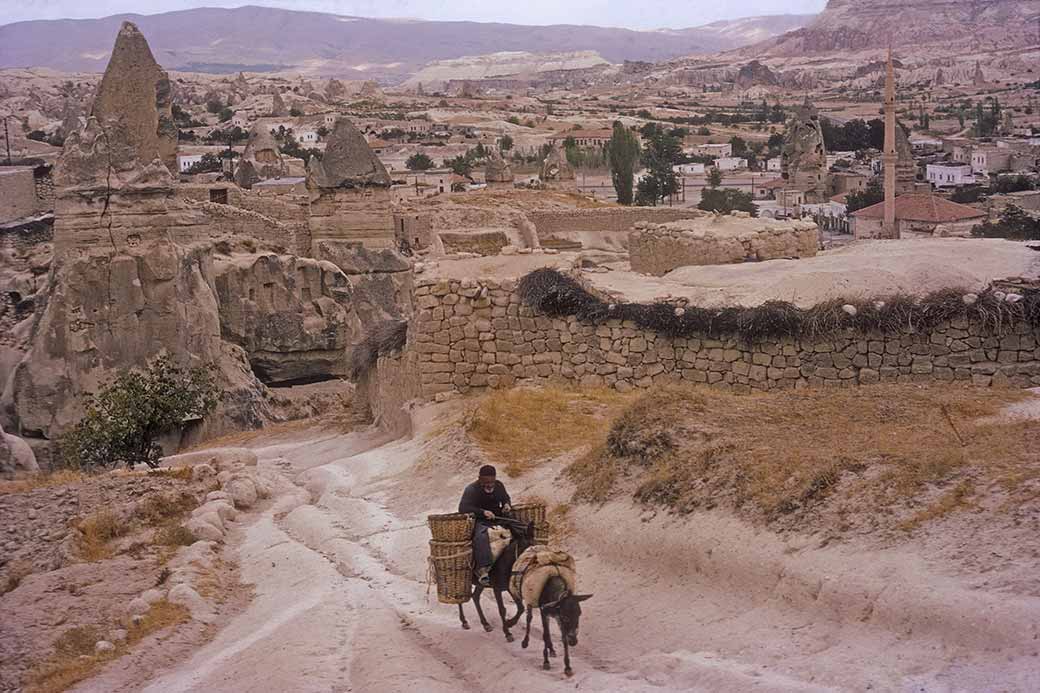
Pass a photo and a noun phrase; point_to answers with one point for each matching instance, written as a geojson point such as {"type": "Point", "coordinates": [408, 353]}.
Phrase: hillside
{"type": "Point", "coordinates": [853, 25]}
{"type": "Point", "coordinates": [263, 39]}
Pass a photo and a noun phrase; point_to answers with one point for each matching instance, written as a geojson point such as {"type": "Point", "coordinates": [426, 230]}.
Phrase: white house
{"type": "Point", "coordinates": [949, 175]}
{"type": "Point", "coordinates": [713, 150]}
{"type": "Point", "coordinates": [239, 120]}
{"type": "Point", "coordinates": [307, 137]}
{"type": "Point", "coordinates": [689, 169]}
{"type": "Point", "coordinates": [730, 163]}
{"type": "Point", "coordinates": [773, 164]}
{"type": "Point", "coordinates": [186, 161]}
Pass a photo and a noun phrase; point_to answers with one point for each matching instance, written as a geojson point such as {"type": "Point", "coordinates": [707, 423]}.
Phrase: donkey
{"type": "Point", "coordinates": [557, 604]}
{"type": "Point", "coordinates": [523, 537]}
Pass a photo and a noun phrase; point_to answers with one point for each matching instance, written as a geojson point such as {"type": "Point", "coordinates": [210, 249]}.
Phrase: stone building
{"type": "Point", "coordinates": [917, 215]}
{"type": "Point", "coordinates": [803, 162]}
{"type": "Point", "coordinates": [350, 191]}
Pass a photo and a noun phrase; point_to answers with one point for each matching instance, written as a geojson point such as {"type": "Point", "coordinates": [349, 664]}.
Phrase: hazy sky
{"type": "Point", "coordinates": [635, 14]}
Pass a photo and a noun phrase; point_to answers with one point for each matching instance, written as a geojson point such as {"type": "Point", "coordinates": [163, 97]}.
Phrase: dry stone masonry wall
{"type": "Point", "coordinates": [473, 334]}
{"type": "Point", "coordinates": [659, 248]}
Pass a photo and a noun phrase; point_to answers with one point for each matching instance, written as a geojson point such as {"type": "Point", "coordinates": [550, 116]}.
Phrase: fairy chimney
{"type": "Point", "coordinates": [136, 92]}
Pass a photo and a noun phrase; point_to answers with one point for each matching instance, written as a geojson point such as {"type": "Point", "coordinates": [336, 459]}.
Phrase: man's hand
{"type": "Point", "coordinates": [506, 508]}
{"type": "Point", "coordinates": [489, 515]}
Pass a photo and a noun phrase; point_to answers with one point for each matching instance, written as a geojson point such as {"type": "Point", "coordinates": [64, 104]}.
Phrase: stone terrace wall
{"type": "Point", "coordinates": [472, 334]}
{"type": "Point", "coordinates": [289, 209]}
{"type": "Point", "coordinates": [236, 221]}
{"type": "Point", "coordinates": [659, 248]}
{"type": "Point", "coordinates": [616, 220]}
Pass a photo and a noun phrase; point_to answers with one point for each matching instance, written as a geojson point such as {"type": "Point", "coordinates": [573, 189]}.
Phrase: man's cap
{"type": "Point", "coordinates": [488, 470]}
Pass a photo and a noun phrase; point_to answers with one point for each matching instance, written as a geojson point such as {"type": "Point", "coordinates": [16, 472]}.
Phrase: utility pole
{"type": "Point", "coordinates": [7, 139]}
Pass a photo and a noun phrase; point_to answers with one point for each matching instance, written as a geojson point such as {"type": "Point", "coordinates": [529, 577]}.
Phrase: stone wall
{"type": "Point", "coordinates": [472, 334]}
{"type": "Point", "coordinates": [659, 248]}
{"type": "Point", "coordinates": [235, 221]}
{"type": "Point", "coordinates": [352, 214]}
{"type": "Point", "coordinates": [289, 209]}
{"type": "Point", "coordinates": [582, 225]}
{"type": "Point", "coordinates": [17, 194]}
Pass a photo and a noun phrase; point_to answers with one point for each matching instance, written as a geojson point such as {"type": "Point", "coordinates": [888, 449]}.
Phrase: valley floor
{"type": "Point", "coordinates": [338, 564]}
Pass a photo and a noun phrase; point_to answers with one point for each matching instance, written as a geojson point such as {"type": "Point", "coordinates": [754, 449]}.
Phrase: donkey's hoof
{"type": "Point", "coordinates": [488, 628]}
{"type": "Point", "coordinates": [545, 665]}
{"type": "Point", "coordinates": [524, 643]}
{"type": "Point", "coordinates": [509, 637]}
{"type": "Point", "coordinates": [568, 672]}
{"type": "Point", "coordinates": [552, 653]}
{"type": "Point", "coordinates": [465, 626]}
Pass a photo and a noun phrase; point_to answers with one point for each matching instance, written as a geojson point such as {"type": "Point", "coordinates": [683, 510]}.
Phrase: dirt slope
{"type": "Point", "coordinates": [703, 603]}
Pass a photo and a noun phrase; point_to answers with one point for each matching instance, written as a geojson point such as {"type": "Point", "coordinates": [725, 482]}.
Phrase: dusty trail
{"type": "Point", "coordinates": [338, 561]}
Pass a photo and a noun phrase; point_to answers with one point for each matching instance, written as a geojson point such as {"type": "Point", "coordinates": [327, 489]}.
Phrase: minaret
{"type": "Point", "coordinates": [890, 157]}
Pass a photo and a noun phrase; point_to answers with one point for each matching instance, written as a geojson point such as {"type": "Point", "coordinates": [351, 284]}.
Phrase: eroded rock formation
{"type": "Point", "coordinates": [803, 161]}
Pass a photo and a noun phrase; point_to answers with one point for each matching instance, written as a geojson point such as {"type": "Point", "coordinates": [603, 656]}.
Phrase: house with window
{"type": "Point", "coordinates": [949, 175]}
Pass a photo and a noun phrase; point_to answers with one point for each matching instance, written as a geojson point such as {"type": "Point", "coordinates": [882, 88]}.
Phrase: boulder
{"type": "Point", "coordinates": [15, 455]}
{"type": "Point", "coordinates": [186, 596]}
{"type": "Point", "coordinates": [243, 491]}
{"type": "Point", "coordinates": [203, 530]}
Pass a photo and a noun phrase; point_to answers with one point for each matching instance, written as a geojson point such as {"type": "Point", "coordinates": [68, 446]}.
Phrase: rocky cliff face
{"type": "Point", "coordinates": [853, 25]}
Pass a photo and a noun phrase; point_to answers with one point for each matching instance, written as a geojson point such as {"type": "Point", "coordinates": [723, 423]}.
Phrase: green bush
{"type": "Point", "coordinates": [123, 422]}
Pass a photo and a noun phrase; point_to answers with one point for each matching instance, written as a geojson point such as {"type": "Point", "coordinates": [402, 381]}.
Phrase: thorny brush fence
{"type": "Point", "coordinates": [558, 295]}
{"type": "Point", "coordinates": [385, 338]}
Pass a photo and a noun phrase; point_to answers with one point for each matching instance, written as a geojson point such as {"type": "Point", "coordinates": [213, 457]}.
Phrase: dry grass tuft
{"type": "Point", "coordinates": [518, 428]}
{"type": "Point", "coordinates": [17, 571]}
{"type": "Point", "coordinates": [61, 477]}
{"type": "Point", "coordinates": [180, 473]}
{"type": "Point", "coordinates": [99, 529]}
{"type": "Point", "coordinates": [779, 456]}
{"type": "Point", "coordinates": [159, 508]}
{"type": "Point", "coordinates": [74, 658]}
{"type": "Point", "coordinates": [173, 534]}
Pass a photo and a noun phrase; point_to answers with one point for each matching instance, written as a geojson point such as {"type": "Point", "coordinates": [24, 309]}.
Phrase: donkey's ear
{"type": "Point", "coordinates": [551, 605]}
{"type": "Point", "coordinates": [582, 597]}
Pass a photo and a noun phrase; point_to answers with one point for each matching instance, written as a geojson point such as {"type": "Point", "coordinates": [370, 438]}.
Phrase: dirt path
{"type": "Point", "coordinates": [339, 565]}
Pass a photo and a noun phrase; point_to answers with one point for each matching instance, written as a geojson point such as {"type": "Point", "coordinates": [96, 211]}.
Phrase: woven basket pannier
{"type": "Point", "coordinates": [530, 512]}
{"type": "Point", "coordinates": [452, 564]}
{"type": "Point", "coordinates": [453, 527]}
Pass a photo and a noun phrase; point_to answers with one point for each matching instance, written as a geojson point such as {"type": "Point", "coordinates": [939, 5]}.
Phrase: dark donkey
{"type": "Point", "coordinates": [523, 537]}
{"type": "Point", "coordinates": [557, 604]}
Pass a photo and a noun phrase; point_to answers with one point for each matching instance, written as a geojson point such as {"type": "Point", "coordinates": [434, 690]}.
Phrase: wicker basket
{"type": "Point", "coordinates": [530, 512]}
{"type": "Point", "coordinates": [541, 533]}
{"type": "Point", "coordinates": [452, 565]}
{"type": "Point", "coordinates": [453, 527]}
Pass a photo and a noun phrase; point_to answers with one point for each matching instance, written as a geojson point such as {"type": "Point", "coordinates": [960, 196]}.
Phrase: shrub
{"type": "Point", "coordinates": [726, 200]}
{"type": "Point", "coordinates": [123, 421]}
{"type": "Point", "coordinates": [1014, 223]}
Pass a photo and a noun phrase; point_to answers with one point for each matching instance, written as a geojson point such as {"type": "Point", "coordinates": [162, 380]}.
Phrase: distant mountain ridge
{"type": "Point", "coordinates": [267, 39]}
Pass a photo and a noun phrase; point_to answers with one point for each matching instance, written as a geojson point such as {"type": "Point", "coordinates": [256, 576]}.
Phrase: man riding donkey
{"type": "Point", "coordinates": [485, 499]}
{"type": "Point", "coordinates": [540, 577]}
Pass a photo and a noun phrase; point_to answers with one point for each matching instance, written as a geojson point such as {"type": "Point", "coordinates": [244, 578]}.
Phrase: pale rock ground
{"type": "Point", "coordinates": [337, 561]}
{"type": "Point", "coordinates": [862, 269]}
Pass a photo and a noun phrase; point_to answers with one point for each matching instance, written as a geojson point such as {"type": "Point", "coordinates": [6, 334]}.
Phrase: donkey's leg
{"type": "Point", "coordinates": [462, 618]}
{"type": "Point", "coordinates": [519, 612]}
{"type": "Point", "coordinates": [480, 612]}
{"type": "Point", "coordinates": [502, 614]}
{"type": "Point", "coordinates": [546, 641]}
{"type": "Point", "coordinates": [527, 633]}
{"type": "Point", "coordinates": [566, 657]}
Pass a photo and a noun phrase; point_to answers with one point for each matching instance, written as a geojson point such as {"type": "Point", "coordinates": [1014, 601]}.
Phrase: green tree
{"type": "Point", "coordinates": [123, 422]}
{"type": "Point", "coordinates": [419, 162]}
{"type": "Point", "coordinates": [1013, 223]}
{"type": "Point", "coordinates": [739, 145]}
{"type": "Point", "coordinates": [210, 163]}
{"type": "Point", "coordinates": [226, 114]}
{"type": "Point", "coordinates": [662, 152]}
{"type": "Point", "coordinates": [870, 195]}
{"type": "Point", "coordinates": [726, 200]}
{"type": "Point", "coordinates": [714, 177]}
{"type": "Point", "coordinates": [214, 106]}
{"type": "Point", "coordinates": [462, 164]}
{"type": "Point", "coordinates": [505, 143]}
{"type": "Point", "coordinates": [623, 153]}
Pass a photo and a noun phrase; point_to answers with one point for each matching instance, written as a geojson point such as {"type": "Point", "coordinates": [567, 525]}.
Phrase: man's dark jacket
{"type": "Point", "coordinates": [475, 501]}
